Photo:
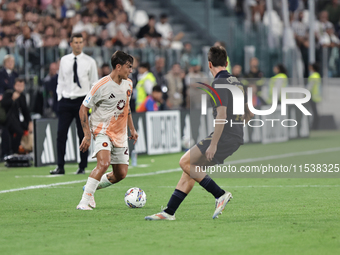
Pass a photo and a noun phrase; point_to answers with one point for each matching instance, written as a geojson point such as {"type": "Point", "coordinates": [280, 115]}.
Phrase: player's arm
{"type": "Point", "coordinates": [84, 120]}
{"type": "Point", "coordinates": [133, 131]}
{"type": "Point", "coordinates": [221, 115]}
{"type": "Point", "coordinates": [248, 115]}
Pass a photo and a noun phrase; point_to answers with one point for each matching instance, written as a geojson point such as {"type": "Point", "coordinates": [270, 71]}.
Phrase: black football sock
{"type": "Point", "coordinates": [212, 187]}
{"type": "Point", "coordinates": [174, 202]}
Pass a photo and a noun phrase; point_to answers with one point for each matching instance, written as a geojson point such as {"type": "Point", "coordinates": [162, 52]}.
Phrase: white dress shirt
{"type": "Point", "coordinates": [87, 74]}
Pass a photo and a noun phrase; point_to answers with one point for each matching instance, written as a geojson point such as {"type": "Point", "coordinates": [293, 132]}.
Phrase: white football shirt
{"type": "Point", "coordinates": [110, 108]}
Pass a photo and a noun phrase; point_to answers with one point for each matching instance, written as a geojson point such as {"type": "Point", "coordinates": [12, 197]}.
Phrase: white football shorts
{"type": "Point", "coordinates": [118, 155]}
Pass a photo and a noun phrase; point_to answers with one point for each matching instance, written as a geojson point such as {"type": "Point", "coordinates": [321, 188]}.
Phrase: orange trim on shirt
{"type": "Point", "coordinates": [99, 84]}
{"type": "Point", "coordinates": [98, 129]}
{"type": "Point", "coordinates": [118, 127]}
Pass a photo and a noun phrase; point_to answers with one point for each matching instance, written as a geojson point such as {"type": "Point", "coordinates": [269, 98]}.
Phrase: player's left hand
{"type": "Point", "coordinates": [210, 152]}
{"type": "Point", "coordinates": [134, 135]}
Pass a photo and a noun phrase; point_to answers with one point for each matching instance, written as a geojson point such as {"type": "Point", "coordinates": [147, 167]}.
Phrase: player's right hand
{"type": "Point", "coordinates": [85, 144]}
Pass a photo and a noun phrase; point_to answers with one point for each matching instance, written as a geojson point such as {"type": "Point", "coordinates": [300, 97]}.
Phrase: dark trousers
{"type": "Point", "coordinates": [6, 143]}
{"type": "Point", "coordinates": [67, 111]}
{"type": "Point", "coordinates": [16, 131]}
{"type": "Point", "coordinates": [315, 114]}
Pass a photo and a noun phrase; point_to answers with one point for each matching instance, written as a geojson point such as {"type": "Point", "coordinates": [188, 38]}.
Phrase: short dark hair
{"type": "Point", "coordinates": [145, 65]}
{"type": "Point", "coordinates": [105, 65]}
{"type": "Point", "coordinates": [19, 80]}
{"type": "Point", "coordinates": [316, 67]}
{"type": "Point", "coordinates": [151, 16]}
{"type": "Point", "coordinates": [157, 88]}
{"type": "Point", "coordinates": [163, 16]}
{"type": "Point", "coordinates": [120, 58]}
{"type": "Point", "coordinates": [282, 69]}
{"type": "Point", "coordinates": [76, 35]}
{"type": "Point", "coordinates": [217, 55]}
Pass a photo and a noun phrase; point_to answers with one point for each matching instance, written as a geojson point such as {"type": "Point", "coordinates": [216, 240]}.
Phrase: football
{"type": "Point", "coordinates": [135, 198]}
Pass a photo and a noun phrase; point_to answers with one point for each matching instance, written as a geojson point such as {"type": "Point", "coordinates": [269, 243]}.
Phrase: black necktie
{"type": "Point", "coordinates": [75, 74]}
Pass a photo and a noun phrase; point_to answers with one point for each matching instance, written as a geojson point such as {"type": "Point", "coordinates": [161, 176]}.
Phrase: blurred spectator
{"type": "Point", "coordinates": [7, 74]}
{"type": "Point", "coordinates": [31, 42]}
{"type": "Point", "coordinates": [104, 36]}
{"type": "Point", "coordinates": [257, 8]}
{"type": "Point", "coordinates": [194, 75]}
{"type": "Point", "coordinates": [28, 39]}
{"type": "Point", "coordinates": [293, 5]}
{"type": "Point", "coordinates": [256, 99]}
{"type": "Point", "coordinates": [237, 71]}
{"type": "Point", "coordinates": [53, 70]}
{"type": "Point", "coordinates": [314, 85]}
{"type": "Point", "coordinates": [146, 81]}
{"type": "Point", "coordinates": [102, 13]}
{"type": "Point", "coordinates": [56, 9]}
{"type": "Point", "coordinates": [158, 70]}
{"type": "Point", "coordinates": [84, 25]}
{"type": "Point", "coordinates": [239, 10]}
{"type": "Point", "coordinates": [300, 29]}
{"type": "Point", "coordinates": [255, 75]}
{"type": "Point", "coordinates": [105, 70]}
{"type": "Point", "coordinates": [277, 24]}
{"type": "Point", "coordinates": [279, 80]}
{"type": "Point", "coordinates": [329, 39]}
{"type": "Point", "coordinates": [14, 103]}
{"type": "Point", "coordinates": [188, 56]}
{"type": "Point", "coordinates": [164, 28]}
{"type": "Point", "coordinates": [151, 102]}
{"type": "Point", "coordinates": [50, 83]}
{"type": "Point", "coordinates": [337, 28]}
{"type": "Point", "coordinates": [333, 9]}
{"type": "Point", "coordinates": [149, 29]}
{"type": "Point", "coordinates": [134, 77]}
{"type": "Point", "coordinates": [175, 85]}
{"type": "Point", "coordinates": [123, 35]}
{"type": "Point", "coordinates": [63, 43]}
{"type": "Point", "coordinates": [149, 41]}
{"type": "Point", "coordinates": [322, 24]}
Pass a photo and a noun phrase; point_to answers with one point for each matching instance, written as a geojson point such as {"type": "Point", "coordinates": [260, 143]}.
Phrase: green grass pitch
{"type": "Point", "coordinates": [266, 215]}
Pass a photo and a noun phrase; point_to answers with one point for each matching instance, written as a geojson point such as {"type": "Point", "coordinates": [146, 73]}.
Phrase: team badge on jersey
{"type": "Point", "coordinates": [121, 105]}
{"type": "Point", "coordinates": [128, 92]}
{"type": "Point", "coordinates": [105, 144]}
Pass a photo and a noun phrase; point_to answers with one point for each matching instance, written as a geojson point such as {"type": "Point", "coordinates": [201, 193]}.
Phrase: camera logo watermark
{"type": "Point", "coordinates": [238, 103]}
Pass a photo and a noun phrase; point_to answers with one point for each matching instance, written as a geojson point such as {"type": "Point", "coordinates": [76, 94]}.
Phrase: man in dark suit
{"type": "Point", "coordinates": [7, 74]}
{"type": "Point", "coordinates": [14, 103]}
{"type": "Point", "coordinates": [77, 73]}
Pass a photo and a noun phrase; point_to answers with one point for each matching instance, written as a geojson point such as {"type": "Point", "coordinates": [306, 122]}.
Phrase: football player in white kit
{"type": "Point", "coordinates": [111, 115]}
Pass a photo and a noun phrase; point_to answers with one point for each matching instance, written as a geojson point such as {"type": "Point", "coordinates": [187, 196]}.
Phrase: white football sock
{"type": "Point", "coordinates": [90, 188]}
{"type": "Point", "coordinates": [104, 182]}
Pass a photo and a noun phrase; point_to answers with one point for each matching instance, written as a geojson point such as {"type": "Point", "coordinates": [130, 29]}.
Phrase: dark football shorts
{"type": "Point", "coordinates": [225, 147]}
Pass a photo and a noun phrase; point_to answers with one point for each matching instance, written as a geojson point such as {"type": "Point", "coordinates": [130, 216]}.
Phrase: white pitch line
{"type": "Point", "coordinates": [179, 169]}
{"type": "Point", "coordinates": [41, 186]}
{"type": "Point", "coordinates": [287, 155]}
{"type": "Point", "coordinates": [269, 186]}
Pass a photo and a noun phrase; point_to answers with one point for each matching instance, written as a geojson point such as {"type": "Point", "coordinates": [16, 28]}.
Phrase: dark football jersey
{"type": "Point", "coordinates": [234, 130]}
